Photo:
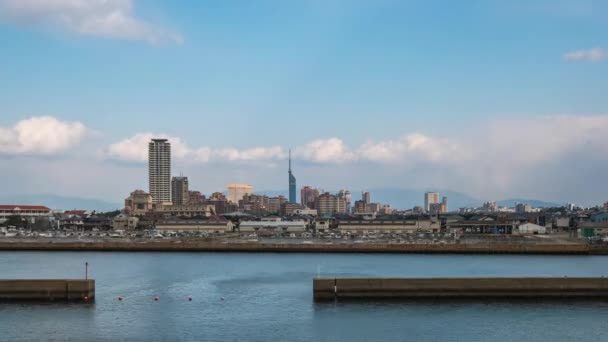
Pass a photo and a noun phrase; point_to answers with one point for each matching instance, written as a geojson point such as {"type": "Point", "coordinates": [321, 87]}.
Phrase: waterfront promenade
{"type": "Point", "coordinates": [285, 247]}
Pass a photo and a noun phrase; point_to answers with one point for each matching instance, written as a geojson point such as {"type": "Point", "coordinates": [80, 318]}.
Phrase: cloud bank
{"type": "Point", "coordinates": [135, 149]}
{"type": "Point", "coordinates": [44, 135]}
{"type": "Point", "coordinates": [559, 158]}
{"type": "Point", "coordinates": [98, 18]}
{"type": "Point", "coordinates": [593, 55]}
{"type": "Point", "coordinates": [499, 142]}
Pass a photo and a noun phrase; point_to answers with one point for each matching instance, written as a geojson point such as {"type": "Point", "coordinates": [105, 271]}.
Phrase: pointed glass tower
{"type": "Point", "coordinates": [292, 183]}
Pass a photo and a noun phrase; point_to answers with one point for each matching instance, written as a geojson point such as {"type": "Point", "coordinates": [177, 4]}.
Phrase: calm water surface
{"type": "Point", "coordinates": [268, 297]}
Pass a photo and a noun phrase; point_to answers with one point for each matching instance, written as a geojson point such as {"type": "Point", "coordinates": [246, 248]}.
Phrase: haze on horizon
{"type": "Point", "coordinates": [490, 98]}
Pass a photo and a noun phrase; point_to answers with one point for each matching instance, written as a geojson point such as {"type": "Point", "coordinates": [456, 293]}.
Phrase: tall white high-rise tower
{"type": "Point", "coordinates": [159, 170]}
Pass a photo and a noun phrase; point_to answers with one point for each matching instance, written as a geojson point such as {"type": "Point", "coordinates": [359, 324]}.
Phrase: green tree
{"type": "Point", "coordinates": [109, 213]}
{"type": "Point", "coordinates": [15, 220]}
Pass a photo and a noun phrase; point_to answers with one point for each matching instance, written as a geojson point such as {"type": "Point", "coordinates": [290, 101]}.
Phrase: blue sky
{"type": "Point", "coordinates": [279, 74]}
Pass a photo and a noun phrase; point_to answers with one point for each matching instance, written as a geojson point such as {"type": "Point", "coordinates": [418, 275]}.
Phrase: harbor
{"type": "Point", "coordinates": [269, 295]}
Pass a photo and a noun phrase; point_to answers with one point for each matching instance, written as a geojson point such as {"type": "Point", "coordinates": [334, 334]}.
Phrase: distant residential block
{"type": "Point", "coordinates": [179, 190]}
{"type": "Point", "coordinates": [430, 198]}
{"type": "Point", "coordinates": [330, 204]}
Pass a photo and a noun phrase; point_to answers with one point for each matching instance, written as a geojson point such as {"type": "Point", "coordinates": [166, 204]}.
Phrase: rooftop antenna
{"type": "Point", "coordinates": [289, 160]}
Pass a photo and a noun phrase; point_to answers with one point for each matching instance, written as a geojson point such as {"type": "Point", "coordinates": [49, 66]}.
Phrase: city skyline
{"type": "Point", "coordinates": [406, 105]}
{"type": "Point", "coordinates": [271, 170]}
{"type": "Point", "coordinates": [244, 197]}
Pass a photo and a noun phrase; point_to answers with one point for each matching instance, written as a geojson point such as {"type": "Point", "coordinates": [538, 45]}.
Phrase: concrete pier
{"type": "Point", "coordinates": [362, 288]}
{"type": "Point", "coordinates": [75, 290]}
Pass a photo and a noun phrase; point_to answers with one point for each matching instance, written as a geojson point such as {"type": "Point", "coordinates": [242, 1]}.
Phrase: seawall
{"type": "Point", "coordinates": [78, 290]}
{"type": "Point", "coordinates": [205, 246]}
{"type": "Point", "coordinates": [362, 288]}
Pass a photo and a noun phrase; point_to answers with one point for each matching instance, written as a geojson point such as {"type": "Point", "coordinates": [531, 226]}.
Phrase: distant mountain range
{"type": "Point", "coordinates": [60, 202]}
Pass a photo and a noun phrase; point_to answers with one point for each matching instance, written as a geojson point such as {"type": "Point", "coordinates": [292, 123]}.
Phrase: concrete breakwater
{"type": "Point", "coordinates": [362, 288]}
{"type": "Point", "coordinates": [77, 290]}
{"type": "Point", "coordinates": [215, 246]}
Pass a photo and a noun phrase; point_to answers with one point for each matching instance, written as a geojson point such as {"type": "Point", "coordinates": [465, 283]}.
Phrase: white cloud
{"type": "Point", "coordinates": [256, 153]}
{"type": "Point", "coordinates": [101, 18]}
{"type": "Point", "coordinates": [325, 150]}
{"type": "Point", "coordinates": [544, 139]}
{"type": "Point", "coordinates": [411, 147]}
{"type": "Point", "coordinates": [135, 149]}
{"type": "Point", "coordinates": [591, 55]}
{"type": "Point", "coordinates": [44, 135]}
{"type": "Point", "coordinates": [507, 143]}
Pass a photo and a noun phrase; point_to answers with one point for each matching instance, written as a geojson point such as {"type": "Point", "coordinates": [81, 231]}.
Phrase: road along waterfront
{"type": "Point", "coordinates": [190, 245]}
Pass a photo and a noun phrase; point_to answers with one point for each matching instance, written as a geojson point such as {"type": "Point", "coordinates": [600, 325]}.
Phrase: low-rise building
{"type": "Point", "coordinates": [561, 223]}
{"type": "Point", "coordinates": [186, 210]}
{"type": "Point", "coordinates": [600, 217]}
{"type": "Point", "coordinates": [273, 226]}
{"type": "Point", "coordinates": [73, 222]}
{"type": "Point", "coordinates": [124, 222]}
{"type": "Point", "coordinates": [97, 222]}
{"type": "Point", "coordinates": [388, 226]}
{"type": "Point", "coordinates": [531, 228]}
{"type": "Point", "coordinates": [322, 225]}
{"type": "Point", "coordinates": [271, 219]}
{"type": "Point", "coordinates": [24, 210]}
{"type": "Point", "coordinates": [216, 225]}
{"type": "Point", "coordinates": [481, 226]}
{"type": "Point", "coordinates": [592, 229]}
{"type": "Point", "coordinates": [306, 211]}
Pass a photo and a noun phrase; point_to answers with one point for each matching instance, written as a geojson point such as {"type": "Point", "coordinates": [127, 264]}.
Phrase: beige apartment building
{"type": "Point", "coordinates": [236, 192]}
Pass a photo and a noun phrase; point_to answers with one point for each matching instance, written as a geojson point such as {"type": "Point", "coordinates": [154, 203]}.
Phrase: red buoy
{"type": "Point", "coordinates": [119, 298]}
{"type": "Point", "coordinates": [86, 299]}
